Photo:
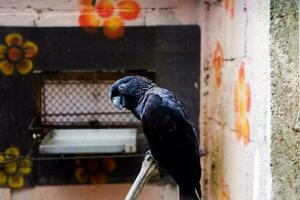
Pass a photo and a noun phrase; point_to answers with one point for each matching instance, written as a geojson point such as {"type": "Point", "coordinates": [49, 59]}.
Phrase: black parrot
{"type": "Point", "coordinates": [168, 128]}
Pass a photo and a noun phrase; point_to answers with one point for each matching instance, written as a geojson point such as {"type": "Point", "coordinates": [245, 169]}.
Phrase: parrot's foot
{"type": "Point", "coordinates": [162, 171]}
{"type": "Point", "coordinates": [148, 152]}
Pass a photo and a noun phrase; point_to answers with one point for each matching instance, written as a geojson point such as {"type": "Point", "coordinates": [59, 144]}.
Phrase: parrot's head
{"type": "Point", "coordinates": [127, 91]}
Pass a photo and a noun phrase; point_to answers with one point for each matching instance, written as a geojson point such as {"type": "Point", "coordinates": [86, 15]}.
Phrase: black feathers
{"type": "Point", "coordinates": [168, 128]}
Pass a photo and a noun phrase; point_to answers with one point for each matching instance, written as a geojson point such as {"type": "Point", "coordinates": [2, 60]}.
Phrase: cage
{"type": "Point", "coordinates": [74, 115]}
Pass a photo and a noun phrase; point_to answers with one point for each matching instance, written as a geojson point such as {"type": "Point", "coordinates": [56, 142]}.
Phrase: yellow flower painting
{"type": "Point", "coordinates": [16, 54]}
{"type": "Point", "coordinates": [12, 169]}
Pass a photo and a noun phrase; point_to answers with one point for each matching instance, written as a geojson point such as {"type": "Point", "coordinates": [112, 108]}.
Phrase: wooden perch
{"type": "Point", "coordinates": [149, 169]}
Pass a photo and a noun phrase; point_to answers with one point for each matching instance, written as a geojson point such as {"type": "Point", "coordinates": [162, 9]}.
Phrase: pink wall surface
{"type": "Point", "coordinates": [89, 192]}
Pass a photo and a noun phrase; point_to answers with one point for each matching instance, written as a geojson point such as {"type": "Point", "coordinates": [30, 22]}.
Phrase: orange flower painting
{"type": "Point", "coordinates": [105, 8]}
{"type": "Point", "coordinates": [13, 170]}
{"type": "Point", "coordinates": [218, 62]}
{"type": "Point", "coordinates": [129, 10]}
{"type": "Point", "coordinates": [114, 27]}
{"type": "Point", "coordinates": [229, 6]}
{"type": "Point", "coordinates": [109, 14]}
{"type": "Point", "coordinates": [89, 20]}
{"type": "Point", "coordinates": [242, 105]}
{"type": "Point", "coordinates": [16, 54]}
{"type": "Point", "coordinates": [94, 170]}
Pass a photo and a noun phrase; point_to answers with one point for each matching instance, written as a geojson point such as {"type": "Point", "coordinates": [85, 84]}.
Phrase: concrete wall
{"type": "Point", "coordinates": [66, 13]}
{"type": "Point", "coordinates": [249, 91]}
{"type": "Point", "coordinates": [235, 99]}
{"type": "Point", "coordinates": [285, 99]}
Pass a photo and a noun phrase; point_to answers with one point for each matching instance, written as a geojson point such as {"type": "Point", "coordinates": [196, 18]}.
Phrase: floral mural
{"type": "Point", "coordinates": [242, 105]}
{"type": "Point", "coordinates": [218, 62]}
{"type": "Point", "coordinates": [109, 14]}
{"type": "Point", "coordinates": [13, 169]}
{"type": "Point", "coordinates": [229, 7]}
{"type": "Point", "coordinates": [94, 170]}
{"type": "Point", "coordinates": [17, 54]}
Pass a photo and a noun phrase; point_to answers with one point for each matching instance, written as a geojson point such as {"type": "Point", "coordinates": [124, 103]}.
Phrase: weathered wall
{"type": "Point", "coordinates": [250, 77]}
{"type": "Point", "coordinates": [56, 13]}
{"type": "Point", "coordinates": [235, 99]}
{"type": "Point", "coordinates": [285, 78]}
{"type": "Point", "coordinates": [66, 12]}
{"type": "Point", "coordinates": [90, 192]}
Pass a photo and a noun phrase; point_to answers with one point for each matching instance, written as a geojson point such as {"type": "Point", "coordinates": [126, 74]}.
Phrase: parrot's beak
{"type": "Point", "coordinates": [119, 102]}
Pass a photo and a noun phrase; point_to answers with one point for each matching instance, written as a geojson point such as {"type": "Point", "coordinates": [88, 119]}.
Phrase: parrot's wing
{"type": "Point", "coordinates": [171, 138]}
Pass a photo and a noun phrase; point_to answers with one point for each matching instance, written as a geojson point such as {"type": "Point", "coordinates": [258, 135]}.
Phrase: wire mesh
{"type": "Point", "coordinates": [77, 101]}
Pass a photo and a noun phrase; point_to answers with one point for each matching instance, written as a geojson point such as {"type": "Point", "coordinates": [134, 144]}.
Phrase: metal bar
{"type": "Point", "coordinates": [95, 113]}
{"type": "Point", "coordinates": [22, 157]}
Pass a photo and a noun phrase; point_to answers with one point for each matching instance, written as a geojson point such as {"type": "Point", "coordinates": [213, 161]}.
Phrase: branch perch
{"type": "Point", "coordinates": [149, 169]}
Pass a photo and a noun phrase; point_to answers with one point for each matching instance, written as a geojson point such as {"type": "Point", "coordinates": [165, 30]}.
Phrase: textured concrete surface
{"type": "Point", "coordinates": [262, 34]}
{"type": "Point", "coordinates": [234, 169]}
{"type": "Point", "coordinates": [285, 99]}
{"type": "Point", "coordinates": [5, 194]}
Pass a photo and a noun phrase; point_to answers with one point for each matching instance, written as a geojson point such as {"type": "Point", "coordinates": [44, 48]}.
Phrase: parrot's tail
{"type": "Point", "coordinates": [189, 193]}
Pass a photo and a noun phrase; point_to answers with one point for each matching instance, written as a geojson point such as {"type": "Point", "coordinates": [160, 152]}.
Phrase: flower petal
{"type": "Point", "coordinates": [105, 8]}
{"type": "Point", "coordinates": [246, 131]}
{"type": "Point", "coordinates": [14, 39]}
{"type": "Point", "coordinates": [16, 181]}
{"type": "Point", "coordinates": [11, 167]}
{"type": "Point", "coordinates": [81, 175]}
{"type": "Point", "coordinates": [89, 20]}
{"type": "Point", "coordinates": [238, 126]}
{"type": "Point", "coordinates": [3, 178]}
{"type": "Point", "coordinates": [2, 159]}
{"type": "Point", "coordinates": [25, 66]}
{"type": "Point", "coordinates": [25, 166]}
{"type": "Point", "coordinates": [30, 49]}
{"type": "Point", "coordinates": [248, 97]}
{"type": "Point", "coordinates": [114, 27]}
{"type": "Point", "coordinates": [6, 67]}
{"type": "Point", "coordinates": [129, 10]}
{"type": "Point", "coordinates": [12, 152]}
{"type": "Point", "coordinates": [109, 164]}
{"type": "Point", "coordinates": [241, 75]}
{"type": "Point", "coordinates": [3, 50]}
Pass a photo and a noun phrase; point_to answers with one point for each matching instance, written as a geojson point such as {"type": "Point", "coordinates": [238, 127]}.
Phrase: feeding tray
{"type": "Point", "coordinates": [104, 141]}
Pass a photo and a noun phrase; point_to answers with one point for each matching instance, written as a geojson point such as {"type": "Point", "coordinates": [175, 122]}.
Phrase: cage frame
{"type": "Point", "coordinates": [39, 130]}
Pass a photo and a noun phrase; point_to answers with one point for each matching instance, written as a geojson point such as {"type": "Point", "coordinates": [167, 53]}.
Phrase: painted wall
{"type": "Point", "coordinates": [239, 94]}
{"type": "Point", "coordinates": [115, 27]}
{"type": "Point", "coordinates": [235, 99]}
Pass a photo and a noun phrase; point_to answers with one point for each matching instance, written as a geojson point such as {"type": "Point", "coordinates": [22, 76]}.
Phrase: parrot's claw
{"type": "Point", "coordinates": [148, 152]}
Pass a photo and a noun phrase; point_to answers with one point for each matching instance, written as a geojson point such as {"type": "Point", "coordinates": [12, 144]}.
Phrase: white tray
{"type": "Point", "coordinates": [70, 141]}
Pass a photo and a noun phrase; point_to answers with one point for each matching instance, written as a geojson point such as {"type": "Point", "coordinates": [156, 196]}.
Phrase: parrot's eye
{"type": "Point", "coordinates": [121, 87]}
